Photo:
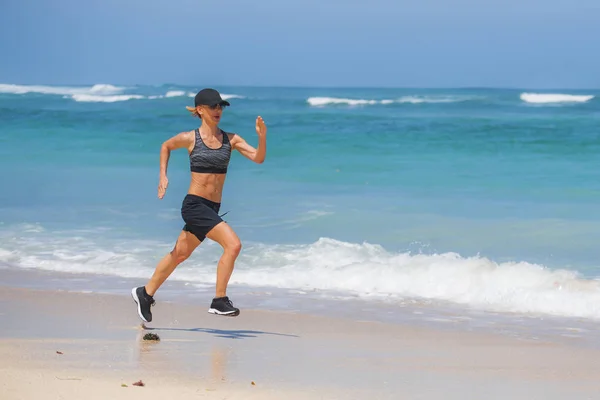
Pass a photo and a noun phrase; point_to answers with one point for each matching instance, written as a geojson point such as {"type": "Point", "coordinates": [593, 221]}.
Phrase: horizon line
{"type": "Point", "coordinates": [297, 86]}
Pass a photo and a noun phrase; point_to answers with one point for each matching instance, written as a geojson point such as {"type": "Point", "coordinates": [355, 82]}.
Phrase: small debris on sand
{"type": "Point", "coordinates": [151, 336]}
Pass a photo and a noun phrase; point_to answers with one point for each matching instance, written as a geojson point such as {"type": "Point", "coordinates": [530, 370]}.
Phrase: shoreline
{"type": "Point", "coordinates": [286, 354]}
{"type": "Point", "coordinates": [421, 314]}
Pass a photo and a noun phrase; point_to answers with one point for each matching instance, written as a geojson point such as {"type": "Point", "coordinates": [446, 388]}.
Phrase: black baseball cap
{"type": "Point", "coordinates": [209, 97]}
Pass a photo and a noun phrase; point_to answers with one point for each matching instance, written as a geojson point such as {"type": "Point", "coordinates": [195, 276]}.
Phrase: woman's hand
{"type": "Point", "coordinates": [162, 186]}
{"type": "Point", "coordinates": [261, 128]}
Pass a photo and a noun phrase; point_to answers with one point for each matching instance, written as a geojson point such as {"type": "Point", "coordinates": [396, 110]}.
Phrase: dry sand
{"type": "Point", "coordinates": [264, 355]}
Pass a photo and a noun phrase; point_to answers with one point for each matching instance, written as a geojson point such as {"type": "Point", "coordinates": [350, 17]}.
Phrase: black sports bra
{"type": "Point", "coordinates": [207, 160]}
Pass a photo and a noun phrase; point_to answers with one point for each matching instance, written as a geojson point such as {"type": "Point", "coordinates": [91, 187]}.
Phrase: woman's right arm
{"type": "Point", "coordinates": [181, 140]}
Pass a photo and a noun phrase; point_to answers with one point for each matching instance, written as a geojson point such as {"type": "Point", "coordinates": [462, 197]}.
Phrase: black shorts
{"type": "Point", "coordinates": [200, 215]}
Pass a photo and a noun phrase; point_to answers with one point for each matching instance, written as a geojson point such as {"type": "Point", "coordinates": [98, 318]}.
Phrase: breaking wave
{"type": "Point", "coordinates": [542, 98]}
{"type": "Point", "coordinates": [324, 101]}
{"type": "Point", "coordinates": [361, 270]}
{"type": "Point", "coordinates": [99, 93]}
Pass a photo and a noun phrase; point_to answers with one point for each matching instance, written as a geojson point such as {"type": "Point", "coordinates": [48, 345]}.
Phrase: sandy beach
{"type": "Point", "coordinates": [264, 355]}
{"type": "Point", "coordinates": [410, 194]}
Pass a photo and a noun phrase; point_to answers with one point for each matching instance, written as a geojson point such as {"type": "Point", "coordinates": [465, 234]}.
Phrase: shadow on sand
{"type": "Point", "coordinates": [222, 333]}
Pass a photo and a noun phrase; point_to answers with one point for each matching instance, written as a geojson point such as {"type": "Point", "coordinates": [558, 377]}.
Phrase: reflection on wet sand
{"type": "Point", "coordinates": [204, 359]}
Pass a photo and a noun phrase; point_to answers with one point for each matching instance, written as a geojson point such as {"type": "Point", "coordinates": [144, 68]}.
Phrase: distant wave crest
{"type": "Point", "coordinates": [98, 89]}
{"type": "Point", "coordinates": [125, 97]}
{"type": "Point", "coordinates": [90, 98]}
{"type": "Point", "coordinates": [175, 93]}
{"type": "Point", "coordinates": [223, 96]}
{"type": "Point", "coordinates": [324, 101]}
{"type": "Point", "coordinates": [542, 98]}
{"type": "Point", "coordinates": [99, 93]}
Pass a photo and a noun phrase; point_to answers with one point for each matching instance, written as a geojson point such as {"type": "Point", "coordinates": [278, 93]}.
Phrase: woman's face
{"type": "Point", "coordinates": [211, 114]}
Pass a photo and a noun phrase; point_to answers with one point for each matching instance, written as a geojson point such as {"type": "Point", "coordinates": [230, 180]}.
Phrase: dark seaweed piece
{"type": "Point", "coordinates": [151, 336]}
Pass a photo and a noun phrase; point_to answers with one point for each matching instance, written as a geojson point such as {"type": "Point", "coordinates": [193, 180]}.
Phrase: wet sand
{"type": "Point", "coordinates": [264, 355]}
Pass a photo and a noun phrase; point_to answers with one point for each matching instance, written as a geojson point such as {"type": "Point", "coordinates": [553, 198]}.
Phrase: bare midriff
{"type": "Point", "coordinates": [209, 186]}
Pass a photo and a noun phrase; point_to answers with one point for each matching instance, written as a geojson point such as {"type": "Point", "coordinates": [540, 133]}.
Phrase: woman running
{"type": "Point", "coordinates": [209, 149]}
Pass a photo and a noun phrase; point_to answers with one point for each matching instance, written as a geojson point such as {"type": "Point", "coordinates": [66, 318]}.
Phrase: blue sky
{"type": "Point", "coordinates": [423, 43]}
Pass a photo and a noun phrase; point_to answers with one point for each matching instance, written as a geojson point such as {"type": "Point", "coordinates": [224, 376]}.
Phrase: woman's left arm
{"type": "Point", "coordinates": [254, 154]}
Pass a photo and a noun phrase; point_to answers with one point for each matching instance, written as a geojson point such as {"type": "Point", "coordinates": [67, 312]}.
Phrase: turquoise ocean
{"type": "Point", "coordinates": [463, 203]}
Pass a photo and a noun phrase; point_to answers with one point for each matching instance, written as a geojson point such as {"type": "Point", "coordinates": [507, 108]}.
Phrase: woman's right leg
{"type": "Point", "coordinates": [228, 239]}
{"type": "Point", "coordinates": [184, 247]}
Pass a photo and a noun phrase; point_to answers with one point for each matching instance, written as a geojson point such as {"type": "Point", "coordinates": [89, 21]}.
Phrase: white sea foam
{"type": "Point", "coordinates": [98, 89]}
{"type": "Point", "coordinates": [90, 98]}
{"type": "Point", "coordinates": [175, 93]}
{"type": "Point", "coordinates": [125, 97]}
{"type": "Point", "coordinates": [99, 93]}
{"type": "Point", "coordinates": [364, 271]}
{"type": "Point", "coordinates": [324, 101]}
{"type": "Point", "coordinates": [224, 96]}
{"type": "Point", "coordinates": [542, 98]}
{"type": "Point", "coordinates": [231, 96]}
{"type": "Point", "coordinates": [433, 99]}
